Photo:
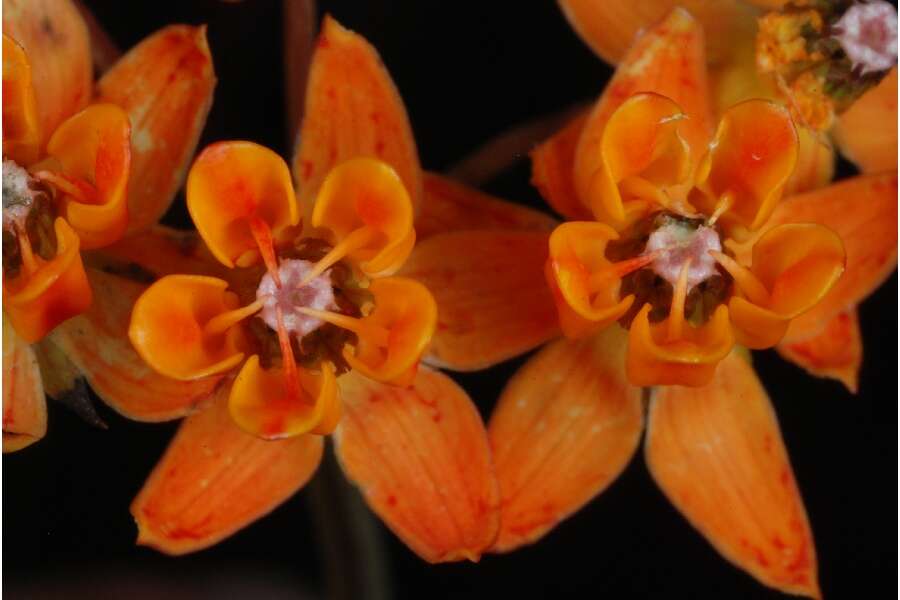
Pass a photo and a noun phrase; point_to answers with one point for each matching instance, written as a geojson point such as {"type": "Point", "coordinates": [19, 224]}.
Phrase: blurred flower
{"type": "Point", "coordinates": [68, 167]}
{"type": "Point", "coordinates": [569, 421]}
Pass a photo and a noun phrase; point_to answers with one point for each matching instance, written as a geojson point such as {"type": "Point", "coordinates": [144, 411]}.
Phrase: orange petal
{"type": "Point", "coordinates": [863, 212]}
{"type": "Point", "coordinates": [97, 343]}
{"type": "Point", "coordinates": [656, 358]}
{"type": "Point", "coordinates": [231, 183]}
{"type": "Point", "coordinates": [54, 291]}
{"type": "Point", "coordinates": [796, 265]}
{"type": "Point", "coordinates": [815, 163]}
{"type": "Point", "coordinates": [21, 130]}
{"type": "Point", "coordinates": [420, 457]}
{"type": "Point", "coordinates": [492, 300]}
{"type": "Point", "coordinates": [610, 26]}
{"type": "Point", "coordinates": [584, 280]}
{"type": "Point", "coordinates": [641, 155]}
{"type": "Point", "coordinates": [453, 206]}
{"type": "Point", "coordinates": [749, 163]}
{"type": "Point", "coordinates": [669, 60]}
{"type": "Point", "coordinates": [165, 84]}
{"type": "Point", "coordinates": [352, 110]}
{"type": "Point", "coordinates": [718, 455]}
{"type": "Point", "coordinates": [262, 404]}
{"type": "Point", "coordinates": [364, 199]}
{"type": "Point", "coordinates": [867, 132]}
{"type": "Point", "coordinates": [836, 352]}
{"type": "Point", "coordinates": [24, 405]}
{"type": "Point", "coordinates": [94, 146]}
{"type": "Point", "coordinates": [406, 312]}
{"type": "Point", "coordinates": [56, 43]}
{"type": "Point", "coordinates": [169, 327]}
{"type": "Point", "coordinates": [565, 427]}
{"type": "Point", "coordinates": [161, 251]}
{"type": "Point", "coordinates": [553, 170]}
{"type": "Point", "coordinates": [214, 480]}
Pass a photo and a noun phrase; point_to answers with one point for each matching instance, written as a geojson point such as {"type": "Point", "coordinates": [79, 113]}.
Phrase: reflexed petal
{"type": "Point", "coordinates": [815, 163]}
{"type": "Point", "coordinates": [565, 427]}
{"type": "Point", "coordinates": [97, 342]}
{"type": "Point", "coordinates": [165, 84]}
{"type": "Point", "coordinates": [669, 60]}
{"type": "Point", "coordinates": [352, 110]}
{"type": "Point", "coordinates": [169, 327]}
{"type": "Point", "coordinates": [867, 132]}
{"type": "Point", "coordinates": [421, 459]}
{"type": "Point", "coordinates": [406, 312]}
{"type": "Point", "coordinates": [262, 404]}
{"type": "Point", "coordinates": [56, 290]}
{"type": "Point", "coordinates": [452, 206]}
{"type": "Point", "coordinates": [553, 170]}
{"type": "Point", "coordinates": [56, 43]}
{"type": "Point", "coordinates": [493, 302]}
{"type": "Point", "coordinates": [718, 455]}
{"type": "Point", "coordinates": [836, 352]}
{"type": "Point", "coordinates": [748, 164]}
{"type": "Point", "coordinates": [24, 405]}
{"type": "Point", "coordinates": [93, 146]}
{"type": "Point", "coordinates": [21, 129]}
{"type": "Point", "coordinates": [214, 479]}
{"type": "Point", "coordinates": [610, 26]}
{"type": "Point", "coordinates": [863, 212]}
{"type": "Point", "coordinates": [231, 183]}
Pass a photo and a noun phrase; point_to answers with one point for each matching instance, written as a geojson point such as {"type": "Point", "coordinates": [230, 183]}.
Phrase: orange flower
{"type": "Point", "coordinates": [689, 244]}
{"type": "Point", "coordinates": [67, 169]}
{"type": "Point", "coordinates": [247, 327]}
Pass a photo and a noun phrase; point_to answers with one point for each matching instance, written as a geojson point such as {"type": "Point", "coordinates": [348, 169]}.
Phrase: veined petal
{"type": "Point", "coordinates": [553, 170]}
{"type": "Point", "coordinates": [718, 455]}
{"type": "Point", "coordinates": [214, 479]}
{"type": "Point", "coordinates": [24, 405]}
{"type": "Point", "coordinates": [867, 132]}
{"type": "Point", "coordinates": [97, 342]}
{"type": "Point", "coordinates": [863, 212]}
{"type": "Point", "coordinates": [669, 60]}
{"type": "Point", "coordinates": [610, 26]}
{"type": "Point", "coordinates": [452, 206]}
{"type": "Point", "coordinates": [56, 42]}
{"type": "Point", "coordinates": [421, 459]}
{"type": "Point", "coordinates": [352, 110]}
{"type": "Point", "coordinates": [565, 427]}
{"type": "Point", "coordinates": [165, 84]}
{"type": "Point", "coordinates": [836, 352]}
{"type": "Point", "coordinates": [492, 300]}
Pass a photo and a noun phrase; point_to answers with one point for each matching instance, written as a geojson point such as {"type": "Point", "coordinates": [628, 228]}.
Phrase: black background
{"type": "Point", "coordinates": [467, 71]}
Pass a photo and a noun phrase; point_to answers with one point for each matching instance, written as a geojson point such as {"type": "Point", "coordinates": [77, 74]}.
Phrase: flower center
{"type": "Point", "coordinates": [293, 295]}
{"type": "Point", "coordinates": [18, 195]}
{"type": "Point", "coordinates": [677, 243]}
{"type": "Point", "coordinates": [868, 34]}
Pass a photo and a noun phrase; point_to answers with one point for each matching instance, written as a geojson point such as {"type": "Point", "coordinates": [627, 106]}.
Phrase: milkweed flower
{"type": "Point", "coordinates": [282, 321]}
{"type": "Point", "coordinates": [69, 162]}
{"type": "Point", "coordinates": [667, 235]}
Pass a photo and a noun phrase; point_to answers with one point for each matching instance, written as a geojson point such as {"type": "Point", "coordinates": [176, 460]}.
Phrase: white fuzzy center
{"type": "Point", "coordinates": [317, 294]}
{"type": "Point", "coordinates": [868, 34]}
{"type": "Point", "coordinates": [678, 244]}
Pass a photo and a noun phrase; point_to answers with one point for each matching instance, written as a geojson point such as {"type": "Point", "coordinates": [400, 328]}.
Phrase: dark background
{"type": "Point", "coordinates": [467, 71]}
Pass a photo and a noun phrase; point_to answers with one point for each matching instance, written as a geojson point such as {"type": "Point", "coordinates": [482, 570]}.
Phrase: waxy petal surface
{"type": "Point", "coordinates": [609, 26]}
{"type": "Point", "coordinates": [669, 59]}
{"type": "Point", "coordinates": [493, 302]}
{"type": "Point", "coordinates": [97, 342]}
{"type": "Point", "coordinates": [565, 427]}
{"type": "Point", "coordinates": [835, 352]}
{"type": "Point", "coordinates": [452, 206]}
{"type": "Point", "coordinates": [165, 84]}
{"type": "Point", "coordinates": [214, 479]}
{"type": "Point", "coordinates": [553, 170]}
{"type": "Point", "coordinates": [718, 455]}
{"type": "Point", "coordinates": [815, 163]}
{"type": "Point", "coordinates": [867, 132]}
{"type": "Point", "coordinates": [421, 459]}
{"type": "Point", "coordinates": [56, 42]}
{"type": "Point", "coordinates": [863, 212]}
{"type": "Point", "coordinates": [352, 110]}
{"type": "Point", "coordinates": [24, 405]}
